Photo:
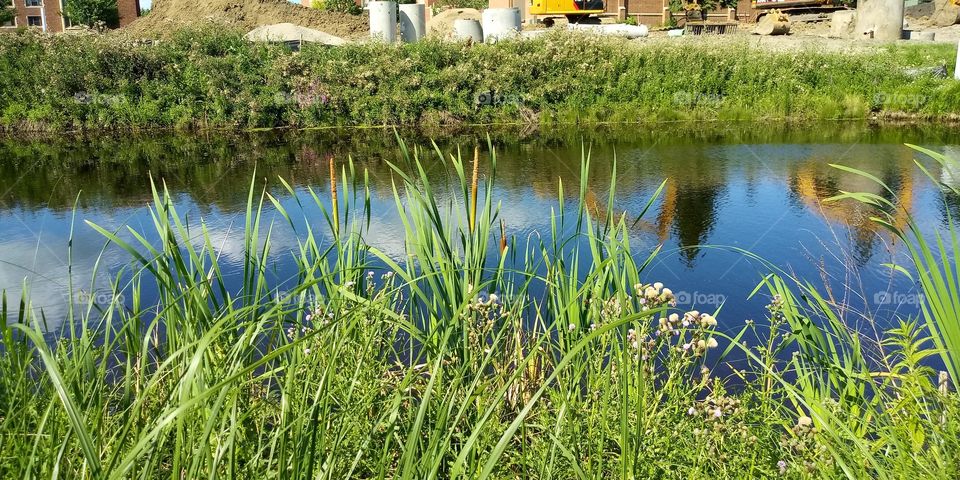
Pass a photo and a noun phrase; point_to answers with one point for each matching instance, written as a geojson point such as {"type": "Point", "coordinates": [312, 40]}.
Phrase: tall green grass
{"type": "Point", "coordinates": [476, 356]}
{"type": "Point", "coordinates": [212, 77]}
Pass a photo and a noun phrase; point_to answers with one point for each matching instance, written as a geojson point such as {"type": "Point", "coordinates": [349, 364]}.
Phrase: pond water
{"type": "Point", "coordinates": [750, 186]}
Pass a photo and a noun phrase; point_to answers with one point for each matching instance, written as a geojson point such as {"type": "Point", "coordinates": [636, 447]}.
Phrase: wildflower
{"type": "Point", "coordinates": [712, 342]}
{"type": "Point", "coordinates": [306, 351]}
{"type": "Point", "coordinates": [674, 318]}
{"type": "Point", "coordinates": [349, 284]}
{"type": "Point", "coordinates": [370, 274]}
{"type": "Point", "coordinates": [494, 298]}
{"type": "Point", "coordinates": [717, 413]}
{"type": "Point", "coordinates": [308, 317]}
{"type": "Point", "coordinates": [658, 285]}
{"type": "Point", "coordinates": [692, 411]}
{"type": "Point", "coordinates": [593, 326]}
{"type": "Point", "coordinates": [804, 421]}
{"type": "Point", "coordinates": [572, 327]}
{"type": "Point", "coordinates": [667, 292]}
{"type": "Point", "coordinates": [782, 465]}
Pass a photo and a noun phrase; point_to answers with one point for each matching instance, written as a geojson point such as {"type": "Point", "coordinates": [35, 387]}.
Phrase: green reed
{"type": "Point", "coordinates": [476, 356]}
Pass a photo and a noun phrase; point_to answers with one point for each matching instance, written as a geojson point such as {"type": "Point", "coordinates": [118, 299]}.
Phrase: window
{"type": "Point", "coordinates": [34, 3]}
{"type": "Point", "coordinates": [9, 23]}
{"type": "Point", "coordinates": [34, 21]}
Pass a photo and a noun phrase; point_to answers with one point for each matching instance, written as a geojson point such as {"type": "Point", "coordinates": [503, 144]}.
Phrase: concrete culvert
{"type": "Point", "coordinates": [290, 33]}
{"type": "Point", "coordinates": [880, 19]}
{"type": "Point", "coordinates": [441, 25]}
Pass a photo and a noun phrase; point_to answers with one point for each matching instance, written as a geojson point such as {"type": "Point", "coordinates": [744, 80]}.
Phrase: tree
{"type": "Point", "coordinates": [7, 13]}
{"type": "Point", "coordinates": [92, 12]}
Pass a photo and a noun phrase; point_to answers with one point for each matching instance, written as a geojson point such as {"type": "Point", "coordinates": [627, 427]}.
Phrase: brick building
{"type": "Point", "coordinates": [653, 12]}
{"type": "Point", "coordinates": [48, 14]}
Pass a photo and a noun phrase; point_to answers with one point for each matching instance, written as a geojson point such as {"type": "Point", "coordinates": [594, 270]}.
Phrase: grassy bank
{"type": "Point", "coordinates": [213, 78]}
{"type": "Point", "coordinates": [486, 357]}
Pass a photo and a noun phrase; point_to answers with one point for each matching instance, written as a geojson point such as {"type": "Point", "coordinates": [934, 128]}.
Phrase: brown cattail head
{"type": "Point", "coordinates": [333, 196]}
{"type": "Point", "coordinates": [503, 238]}
{"type": "Point", "coordinates": [474, 187]}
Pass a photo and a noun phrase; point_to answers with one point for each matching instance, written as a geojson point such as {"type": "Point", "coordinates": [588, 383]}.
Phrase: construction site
{"type": "Point", "coordinates": [935, 20]}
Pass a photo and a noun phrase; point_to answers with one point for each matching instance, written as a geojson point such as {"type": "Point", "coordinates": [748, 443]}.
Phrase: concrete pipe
{"type": "Point", "coordinates": [843, 23]}
{"type": "Point", "coordinates": [923, 36]}
{"type": "Point", "coordinates": [383, 21]}
{"type": "Point", "coordinates": [413, 21]}
{"type": "Point", "coordinates": [500, 24]}
{"type": "Point", "coordinates": [464, 29]}
{"type": "Point", "coordinates": [880, 19]}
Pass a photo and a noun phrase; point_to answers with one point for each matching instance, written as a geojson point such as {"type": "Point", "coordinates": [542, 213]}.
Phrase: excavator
{"type": "Point", "coordinates": [576, 11]}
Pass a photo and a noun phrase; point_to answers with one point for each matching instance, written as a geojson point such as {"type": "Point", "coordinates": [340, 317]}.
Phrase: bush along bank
{"type": "Point", "coordinates": [213, 78]}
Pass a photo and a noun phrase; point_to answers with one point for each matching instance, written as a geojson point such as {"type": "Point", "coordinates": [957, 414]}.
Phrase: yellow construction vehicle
{"type": "Point", "coordinates": [574, 10]}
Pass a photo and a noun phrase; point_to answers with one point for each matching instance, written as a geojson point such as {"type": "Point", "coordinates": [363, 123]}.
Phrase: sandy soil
{"type": "Point", "coordinates": [167, 15]}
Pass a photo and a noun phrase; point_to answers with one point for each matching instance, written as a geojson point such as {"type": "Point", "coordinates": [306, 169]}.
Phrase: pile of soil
{"type": "Point", "coordinates": [168, 15]}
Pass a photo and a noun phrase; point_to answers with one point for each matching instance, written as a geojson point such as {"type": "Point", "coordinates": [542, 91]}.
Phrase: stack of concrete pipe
{"type": "Point", "coordinates": [496, 24]}
{"type": "Point", "coordinates": [500, 24]}
{"type": "Point", "coordinates": [384, 21]}
{"type": "Point", "coordinates": [880, 19]}
{"type": "Point", "coordinates": [464, 29]}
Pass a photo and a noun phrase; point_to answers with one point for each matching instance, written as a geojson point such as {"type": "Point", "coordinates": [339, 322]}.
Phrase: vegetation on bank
{"type": "Point", "coordinates": [214, 78]}
{"type": "Point", "coordinates": [477, 356]}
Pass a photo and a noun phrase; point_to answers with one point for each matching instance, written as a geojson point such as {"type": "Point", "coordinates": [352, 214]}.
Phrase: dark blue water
{"type": "Point", "coordinates": [744, 187]}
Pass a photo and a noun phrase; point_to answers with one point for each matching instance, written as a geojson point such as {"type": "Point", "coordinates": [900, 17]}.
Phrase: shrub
{"type": "Point", "coordinates": [342, 6]}
{"type": "Point", "coordinates": [226, 82]}
{"type": "Point", "coordinates": [92, 12]}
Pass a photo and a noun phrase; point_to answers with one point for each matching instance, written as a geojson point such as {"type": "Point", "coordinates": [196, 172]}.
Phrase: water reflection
{"type": "Point", "coordinates": [764, 190]}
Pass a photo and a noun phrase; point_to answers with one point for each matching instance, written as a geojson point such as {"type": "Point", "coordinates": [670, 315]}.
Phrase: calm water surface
{"type": "Point", "coordinates": [752, 186]}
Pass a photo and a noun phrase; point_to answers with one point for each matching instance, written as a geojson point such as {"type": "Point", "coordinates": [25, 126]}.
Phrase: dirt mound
{"type": "Point", "coordinates": [441, 25]}
{"type": "Point", "coordinates": [168, 15]}
{"type": "Point", "coordinates": [946, 14]}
